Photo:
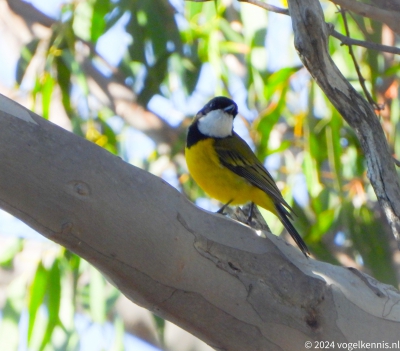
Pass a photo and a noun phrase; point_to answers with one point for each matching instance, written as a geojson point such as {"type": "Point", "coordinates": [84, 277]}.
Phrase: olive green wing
{"type": "Point", "coordinates": [236, 155]}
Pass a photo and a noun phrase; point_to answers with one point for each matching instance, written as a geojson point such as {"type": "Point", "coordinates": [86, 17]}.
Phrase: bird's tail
{"type": "Point", "coordinates": [285, 217]}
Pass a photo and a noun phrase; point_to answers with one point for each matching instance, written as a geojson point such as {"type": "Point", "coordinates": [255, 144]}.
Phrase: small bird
{"type": "Point", "coordinates": [226, 168]}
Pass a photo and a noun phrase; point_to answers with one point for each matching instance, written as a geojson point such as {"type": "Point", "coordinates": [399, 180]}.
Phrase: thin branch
{"type": "Point", "coordinates": [366, 44]}
{"type": "Point", "coordinates": [357, 67]}
{"type": "Point", "coordinates": [258, 3]}
{"type": "Point", "coordinates": [267, 7]}
{"type": "Point", "coordinates": [346, 40]}
{"type": "Point", "coordinates": [396, 162]}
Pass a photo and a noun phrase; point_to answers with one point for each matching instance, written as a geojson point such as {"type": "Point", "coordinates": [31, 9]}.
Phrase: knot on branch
{"type": "Point", "coordinates": [80, 188]}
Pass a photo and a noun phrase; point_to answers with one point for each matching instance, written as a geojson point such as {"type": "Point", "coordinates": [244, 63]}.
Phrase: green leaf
{"type": "Point", "coordinates": [77, 122]}
{"type": "Point", "coordinates": [53, 293]}
{"type": "Point", "coordinates": [118, 344]}
{"type": "Point", "coordinates": [47, 91]}
{"type": "Point", "coordinates": [335, 149]}
{"type": "Point", "coordinates": [160, 327]}
{"type": "Point", "coordinates": [229, 34]}
{"type": "Point", "coordinates": [27, 53]}
{"type": "Point", "coordinates": [267, 121]}
{"type": "Point", "coordinates": [9, 251]}
{"type": "Point", "coordinates": [154, 78]}
{"type": "Point", "coordinates": [112, 297]}
{"type": "Point", "coordinates": [392, 70]}
{"type": "Point", "coordinates": [320, 203]}
{"type": "Point", "coordinates": [11, 313]}
{"type": "Point", "coordinates": [100, 10]}
{"type": "Point", "coordinates": [371, 241]}
{"type": "Point", "coordinates": [256, 86]}
{"type": "Point", "coordinates": [162, 27]}
{"type": "Point", "coordinates": [152, 26]}
{"type": "Point", "coordinates": [9, 330]}
{"type": "Point", "coordinates": [97, 297]}
{"type": "Point", "coordinates": [285, 145]}
{"type": "Point", "coordinates": [111, 144]}
{"type": "Point", "coordinates": [82, 20]}
{"type": "Point", "coordinates": [137, 48]}
{"type": "Point", "coordinates": [277, 80]}
{"type": "Point", "coordinates": [64, 82]}
{"type": "Point", "coordinates": [37, 293]}
{"type": "Point", "coordinates": [187, 70]}
{"type": "Point", "coordinates": [76, 69]}
{"type": "Point", "coordinates": [194, 9]}
{"type": "Point", "coordinates": [311, 173]}
{"type": "Point", "coordinates": [323, 223]}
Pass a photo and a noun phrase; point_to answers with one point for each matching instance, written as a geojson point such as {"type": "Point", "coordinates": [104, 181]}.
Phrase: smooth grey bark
{"type": "Point", "coordinates": [210, 275]}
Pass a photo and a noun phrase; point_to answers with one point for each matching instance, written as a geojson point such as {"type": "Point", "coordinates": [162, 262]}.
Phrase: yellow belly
{"type": "Point", "coordinates": [218, 181]}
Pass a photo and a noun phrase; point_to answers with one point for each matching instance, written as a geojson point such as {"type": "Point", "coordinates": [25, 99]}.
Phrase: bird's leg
{"type": "Point", "coordinates": [222, 209]}
{"type": "Point", "coordinates": [250, 217]}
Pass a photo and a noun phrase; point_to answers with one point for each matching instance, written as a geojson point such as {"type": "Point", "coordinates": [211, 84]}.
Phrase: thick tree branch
{"type": "Point", "coordinates": [390, 17]}
{"type": "Point", "coordinates": [206, 273]}
{"type": "Point", "coordinates": [311, 38]}
{"type": "Point", "coordinates": [393, 5]}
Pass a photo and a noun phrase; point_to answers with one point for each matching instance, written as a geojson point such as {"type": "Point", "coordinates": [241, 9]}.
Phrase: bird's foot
{"type": "Point", "coordinates": [222, 209]}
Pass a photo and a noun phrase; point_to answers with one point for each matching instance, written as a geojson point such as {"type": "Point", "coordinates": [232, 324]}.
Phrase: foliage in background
{"type": "Point", "coordinates": [292, 125]}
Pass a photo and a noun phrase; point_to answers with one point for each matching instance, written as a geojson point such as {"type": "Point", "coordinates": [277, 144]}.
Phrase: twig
{"type": "Point", "coordinates": [357, 67]}
{"type": "Point", "coordinates": [396, 162]}
{"type": "Point", "coordinates": [366, 44]}
{"type": "Point", "coordinates": [268, 7]}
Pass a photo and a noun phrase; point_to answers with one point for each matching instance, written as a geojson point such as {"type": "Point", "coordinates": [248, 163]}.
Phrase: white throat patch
{"type": "Point", "coordinates": [216, 123]}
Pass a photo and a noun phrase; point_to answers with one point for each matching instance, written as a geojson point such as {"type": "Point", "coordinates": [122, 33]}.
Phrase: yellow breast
{"type": "Point", "coordinates": [216, 180]}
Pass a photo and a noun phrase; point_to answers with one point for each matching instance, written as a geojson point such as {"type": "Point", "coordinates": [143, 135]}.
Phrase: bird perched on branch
{"type": "Point", "coordinates": [225, 167]}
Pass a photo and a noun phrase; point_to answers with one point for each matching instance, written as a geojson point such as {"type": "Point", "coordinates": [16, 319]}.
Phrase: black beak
{"type": "Point", "coordinates": [231, 109]}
